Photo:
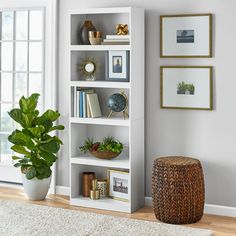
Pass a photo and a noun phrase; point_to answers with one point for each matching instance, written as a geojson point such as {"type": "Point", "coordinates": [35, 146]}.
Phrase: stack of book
{"type": "Point", "coordinates": [116, 40]}
{"type": "Point", "coordinates": [86, 103]}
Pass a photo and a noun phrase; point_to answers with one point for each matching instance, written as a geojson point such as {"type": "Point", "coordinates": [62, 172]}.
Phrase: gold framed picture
{"type": "Point", "coordinates": [186, 87]}
{"type": "Point", "coordinates": [118, 185]}
{"type": "Point", "coordinates": [183, 36]}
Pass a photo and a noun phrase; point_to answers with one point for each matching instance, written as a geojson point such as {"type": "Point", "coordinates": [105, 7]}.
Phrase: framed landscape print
{"type": "Point", "coordinates": [117, 66]}
{"type": "Point", "coordinates": [186, 35]}
{"type": "Point", "coordinates": [119, 184]}
{"type": "Point", "coordinates": [186, 87]}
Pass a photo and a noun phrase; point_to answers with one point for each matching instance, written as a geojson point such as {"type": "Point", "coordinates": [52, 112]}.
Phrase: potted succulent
{"type": "Point", "coordinates": [109, 148]}
{"type": "Point", "coordinates": [34, 145]}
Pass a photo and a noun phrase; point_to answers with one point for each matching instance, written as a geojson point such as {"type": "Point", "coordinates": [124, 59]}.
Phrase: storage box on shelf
{"type": "Point", "coordinates": [129, 131]}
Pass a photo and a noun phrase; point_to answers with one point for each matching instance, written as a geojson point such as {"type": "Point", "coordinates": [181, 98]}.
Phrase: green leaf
{"type": "Point", "coordinates": [57, 127]}
{"type": "Point", "coordinates": [29, 104]}
{"type": "Point", "coordinates": [16, 115]}
{"type": "Point", "coordinates": [23, 104]}
{"type": "Point", "coordinates": [57, 140]}
{"type": "Point", "coordinates": [51, 115]}
{"type": "Point", "coordinates": [36, 131]}
{"type": "Point", "coordinates": [46, 123]}
{"type": "Point", "coordinates": [48, 157]}
{"type": "Point", "coordinates": [14, 140]}
{"type": "Point", "coordinates": [51, 146]}
{"type": "Point", "coordinates": [20, 138]}
{"type": "Point", "coordinates": [17, 165]}
{"type": "Point", "coordinates": [19, 149]}
{"type": "Point", "coordinates": [36, 161]}
{"type": "Point", "coordinates": [16, 158]}
{"type": "Point", "coordinates": [31, 172]}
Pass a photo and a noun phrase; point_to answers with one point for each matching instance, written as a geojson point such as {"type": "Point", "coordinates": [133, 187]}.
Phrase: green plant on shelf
{"type": "Point", "coordinates": [108, 144]}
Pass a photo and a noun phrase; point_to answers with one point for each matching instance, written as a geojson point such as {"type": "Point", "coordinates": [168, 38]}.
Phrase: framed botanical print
{"type": "Point", "coordinates": [186, 87]}
{"type": "Point", "coordinates": [117, 66]}
{"type": "Point", "coordinates": [186, 35]}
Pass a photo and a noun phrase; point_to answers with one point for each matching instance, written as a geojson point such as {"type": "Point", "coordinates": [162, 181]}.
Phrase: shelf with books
{"type": "Point", "coordinates": [91, 102]}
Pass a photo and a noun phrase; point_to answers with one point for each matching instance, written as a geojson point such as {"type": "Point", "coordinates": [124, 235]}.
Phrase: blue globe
{"type": "Point", "coordinates": [117, 102]}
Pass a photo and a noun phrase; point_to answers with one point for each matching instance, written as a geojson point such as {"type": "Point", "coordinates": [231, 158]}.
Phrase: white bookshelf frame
{"type": "Point", "coordinates": [134, 125]}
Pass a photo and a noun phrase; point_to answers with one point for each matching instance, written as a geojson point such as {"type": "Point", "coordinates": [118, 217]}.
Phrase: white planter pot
{"type": "Point", "coordinates": [36, 189]}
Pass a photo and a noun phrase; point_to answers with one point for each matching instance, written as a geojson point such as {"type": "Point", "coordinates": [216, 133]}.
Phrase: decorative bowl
{"type": "Point", "coordinates": [108, 155]}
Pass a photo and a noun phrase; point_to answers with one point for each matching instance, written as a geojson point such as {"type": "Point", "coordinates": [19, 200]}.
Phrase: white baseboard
{"type": "Point", "coordinates": [208, 209]}
{"type": "Point", "coordinates": [63, 190]}
{"type": "Point", "coordinates": [11, 185]}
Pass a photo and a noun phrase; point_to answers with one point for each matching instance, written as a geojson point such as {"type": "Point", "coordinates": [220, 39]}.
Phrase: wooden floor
{"type": "Point", "coordinates": [220, 225]}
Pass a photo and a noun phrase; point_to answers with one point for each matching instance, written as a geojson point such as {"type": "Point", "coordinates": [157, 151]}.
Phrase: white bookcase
{"type": "Point", "coordinates": [130, 131]}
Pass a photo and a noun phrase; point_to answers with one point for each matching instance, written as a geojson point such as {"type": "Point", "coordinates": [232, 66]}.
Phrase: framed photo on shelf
{"type": "Point", "coordinates": [186, 35]}
{"type": "Point", "coordinates": [117, 66]}
{"type": "Point", "coordinates": [186, 87]}
{"type": "Point", "coordinates": [118, 185]}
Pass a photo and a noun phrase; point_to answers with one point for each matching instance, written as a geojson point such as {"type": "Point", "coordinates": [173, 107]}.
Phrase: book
{"type": "Point", "coordinates": [118, 37]}
{"type": "Point", "coordinates": [80, 104]}
{"type": "Point", "coordinates": [85, 92]}
{"type": "Point", "coordinates": [115, 43]}
{"type": "Point", "coordinates": [94, 105]}
{"type": "Point", "coordinates": [77, 103]}
{"type": "Point", "coordinates": [73, 104]}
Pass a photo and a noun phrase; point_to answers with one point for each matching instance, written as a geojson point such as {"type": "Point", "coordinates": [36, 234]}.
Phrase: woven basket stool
{"type": "Point", "coordinates": [178, 190]}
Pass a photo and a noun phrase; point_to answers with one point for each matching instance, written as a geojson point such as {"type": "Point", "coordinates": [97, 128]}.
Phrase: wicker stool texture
{"type": "Point", "coordinates": [178, 190]}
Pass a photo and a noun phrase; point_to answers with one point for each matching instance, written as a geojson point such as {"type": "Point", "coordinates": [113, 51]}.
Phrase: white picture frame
{"type": "Point", "coordinates": [119, 185]}
{"type": "Point", "coordinates": [186, 35]}
{"type": "Point", "coordinates": [118, 66]}
{"type": "Point", "coordinates": [186, 87]}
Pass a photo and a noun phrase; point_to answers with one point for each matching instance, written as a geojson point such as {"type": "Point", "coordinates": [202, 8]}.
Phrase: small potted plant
{"type": "Point", "coordinates": [34, 145]}
{"type": "Point", "coordinates": [109, 148]}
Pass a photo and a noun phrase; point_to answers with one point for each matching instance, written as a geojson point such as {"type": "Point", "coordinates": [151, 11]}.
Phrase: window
{"type": "Point", "coordinates": [21, 66]}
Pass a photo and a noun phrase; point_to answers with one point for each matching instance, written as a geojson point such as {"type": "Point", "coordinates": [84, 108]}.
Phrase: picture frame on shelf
{"type": "Point", "coordinates": [117, 66]}
{"type": "Point", "coordinates": [186, 36]}
{"type": "Point", "coordinates": [186, 87]}
{"type": "Point", "coordinates": [118, 185]}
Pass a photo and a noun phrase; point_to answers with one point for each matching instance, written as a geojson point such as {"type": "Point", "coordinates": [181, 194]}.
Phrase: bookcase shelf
{"type": "Point", "coordinates": [121, 162]}
{"type": "Point", "coordinates": [99, 47]}
{"type": "Point", "coordinates": [103, 203]}
{"type": "Point", "coordinates": [100, 121]}
{"type": "Point", "coordinates": [128, 131]}
{"type": "Point", "coordinates": [100, 84]}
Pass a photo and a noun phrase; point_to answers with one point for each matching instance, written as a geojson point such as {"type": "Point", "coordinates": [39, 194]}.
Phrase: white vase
{"type": "Point", "coordinates": [36, 189]}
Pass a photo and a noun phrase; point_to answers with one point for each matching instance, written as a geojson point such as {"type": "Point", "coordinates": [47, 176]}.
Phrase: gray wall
{"type": "Point", "coordinates": [207, 135]}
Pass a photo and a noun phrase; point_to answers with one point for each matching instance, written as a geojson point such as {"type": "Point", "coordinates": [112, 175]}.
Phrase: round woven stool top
{"type": "Point", "coordinates": [178, 189]}
{"type": "Point", "coordinates": [176, 161]}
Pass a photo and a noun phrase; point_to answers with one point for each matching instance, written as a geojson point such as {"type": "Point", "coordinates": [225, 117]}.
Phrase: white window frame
{"type": "Point", "coordinates": [49, 56]}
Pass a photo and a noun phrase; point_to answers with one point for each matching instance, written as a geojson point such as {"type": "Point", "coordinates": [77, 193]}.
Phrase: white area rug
{"type": "Point", "coordinates": [20, 219]}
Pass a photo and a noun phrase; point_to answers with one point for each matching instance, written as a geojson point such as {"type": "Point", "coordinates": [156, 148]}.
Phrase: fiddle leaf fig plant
{"type": "Point", "coordinates": [34, 143]}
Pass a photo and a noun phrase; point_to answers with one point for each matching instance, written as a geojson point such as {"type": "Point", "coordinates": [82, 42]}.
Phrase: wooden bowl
{"type": "Point", "coordinates": [107, 155]}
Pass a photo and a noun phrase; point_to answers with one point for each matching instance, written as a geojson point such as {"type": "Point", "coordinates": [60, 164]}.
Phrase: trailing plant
{"type": "Point", "coordinates": [36, 148]}
{"type": "Point", "coordinates": [107, 144]}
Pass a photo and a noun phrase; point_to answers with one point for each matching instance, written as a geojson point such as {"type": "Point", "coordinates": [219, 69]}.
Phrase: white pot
{"type": "Point", "coordinates": [36, 189]}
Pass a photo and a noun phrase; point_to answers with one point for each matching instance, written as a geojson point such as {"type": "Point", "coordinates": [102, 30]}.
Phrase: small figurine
{"type": "Point", "coordinates": [122, 29]}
